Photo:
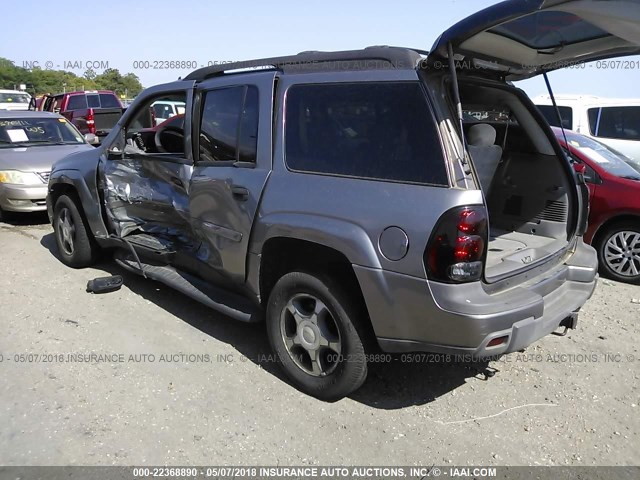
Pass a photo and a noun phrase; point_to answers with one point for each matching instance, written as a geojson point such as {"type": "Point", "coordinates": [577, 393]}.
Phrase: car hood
{"type": "Point", "coordinates": [519, 39]}
{"type": "Point", "coordinates": [14, 106]}
{"type": "Point", "coordinates": [36, 159]}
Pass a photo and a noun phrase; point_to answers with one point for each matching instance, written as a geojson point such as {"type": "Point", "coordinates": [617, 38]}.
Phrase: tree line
{"type": "Point", "coordinates": [39, 81]}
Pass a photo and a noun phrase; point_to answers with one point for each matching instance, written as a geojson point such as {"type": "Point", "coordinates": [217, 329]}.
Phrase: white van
{"type": "Point", "coordinates": [615, 122]}
{"type": "Point", "coordinates": [14, 100]}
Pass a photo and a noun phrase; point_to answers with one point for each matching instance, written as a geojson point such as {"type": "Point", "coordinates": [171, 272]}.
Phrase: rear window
{"type": "Point", "coordinates": [548, 29]}
{"type": "Point", "coordinates": [549, 113]}
{"type": "Point", "coordinates": [621, 123]}
{"type": "Point", "coordinates": [93, 101]}
{"type": "Point", "coordinates": [378, 130]}
{"type": "Point", "coordinates": [109, 100]}
{"type": "Point", "coordinates": [608, 159]}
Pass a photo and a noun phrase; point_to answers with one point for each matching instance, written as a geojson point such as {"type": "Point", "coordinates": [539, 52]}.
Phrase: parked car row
{"type": "Point", "coordinates": [362, 200]}
{"type": "Point", "coordinates": [96, 112]}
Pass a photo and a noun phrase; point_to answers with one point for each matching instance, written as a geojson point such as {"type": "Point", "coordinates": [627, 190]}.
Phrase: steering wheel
{"type": "Point", "coordinates": [171, 133]}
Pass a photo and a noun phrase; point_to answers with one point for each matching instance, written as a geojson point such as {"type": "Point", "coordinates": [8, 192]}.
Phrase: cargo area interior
{"type": "Point", "coordinates": [525, 183]}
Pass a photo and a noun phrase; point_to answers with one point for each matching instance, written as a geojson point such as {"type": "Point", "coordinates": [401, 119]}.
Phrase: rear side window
{"type": "Point", "coordinates": [369, 130]}
{"type": "Point", "coordinates": [77, 102]}
{"type": "Point", "coordinates": [549, 113]}
{"type": "Point", "coordinates": [621, 123]}
{"type": "Point", "coordinates": [229, 127]}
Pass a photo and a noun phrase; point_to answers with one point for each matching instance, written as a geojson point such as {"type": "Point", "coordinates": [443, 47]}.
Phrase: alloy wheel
{"type": "Point", "coordinates": [311, 335]}
{"type": "Point", "coordinates": [66, 231]}
{"type": "Point", "coordinates": [622, 253]}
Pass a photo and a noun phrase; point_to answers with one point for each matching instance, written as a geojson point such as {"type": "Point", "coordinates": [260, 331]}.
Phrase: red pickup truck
{"type": "Point", "coordinates": [92, 112]}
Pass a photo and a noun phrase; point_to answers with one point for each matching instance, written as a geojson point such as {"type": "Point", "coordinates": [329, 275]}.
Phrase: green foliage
{"type": "Point", "coordinates": [40, 81]}
{"type": "Point", "coordinates": [90, 74]}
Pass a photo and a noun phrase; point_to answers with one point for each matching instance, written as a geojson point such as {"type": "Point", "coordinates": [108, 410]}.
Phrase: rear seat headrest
{"type": "Point", "coordinates": [482, 135]}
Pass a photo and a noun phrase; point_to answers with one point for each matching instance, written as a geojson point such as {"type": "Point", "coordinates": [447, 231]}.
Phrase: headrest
{"type": "Point", "coordinates": [482, 135]}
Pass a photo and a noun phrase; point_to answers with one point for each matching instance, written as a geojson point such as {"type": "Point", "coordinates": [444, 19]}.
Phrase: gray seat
{"type": "Point", "coordinates": [484, 153]}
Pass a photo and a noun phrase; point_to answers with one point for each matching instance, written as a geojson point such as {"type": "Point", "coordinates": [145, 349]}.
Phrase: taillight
{"type": "Point", "coordinates": [91, 122]}
{"type": "Point", "coordinates": [456, 251]}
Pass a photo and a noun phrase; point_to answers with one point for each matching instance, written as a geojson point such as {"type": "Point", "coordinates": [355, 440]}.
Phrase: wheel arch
{"type": "Point", "coordinates": [281, 255]}
{"type": "Point", "coordinates": [612, 221]}
{"type": "Point", "coordinates": [72, 183]}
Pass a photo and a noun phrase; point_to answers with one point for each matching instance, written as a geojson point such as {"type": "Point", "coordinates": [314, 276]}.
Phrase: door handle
{"type": "Point", "coordinates": [239, 193]}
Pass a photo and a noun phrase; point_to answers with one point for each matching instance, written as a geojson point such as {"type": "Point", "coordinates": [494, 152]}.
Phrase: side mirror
{"type": "Point", "coordinates": [116, 149]}
{"type": "Point", "coordinates": [91, 138]}
{"type": "Point", "coordinates": [580, 168]}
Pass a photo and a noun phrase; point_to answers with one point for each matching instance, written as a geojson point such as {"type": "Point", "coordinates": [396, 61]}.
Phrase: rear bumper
{"type": "Point", "coordinates": [23, 198]}
{"type": "Point", "coordinates": [412, 315]}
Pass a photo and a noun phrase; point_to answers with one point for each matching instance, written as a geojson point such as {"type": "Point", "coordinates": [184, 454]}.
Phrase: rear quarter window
{"type": "Point", "coordinates": [77, 102]}
{"type": "Point", "coordinates": [378, 130]}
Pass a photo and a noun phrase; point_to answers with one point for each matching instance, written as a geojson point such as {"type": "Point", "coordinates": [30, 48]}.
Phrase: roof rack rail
{"type": "Point", "coordinates": [378, 57]}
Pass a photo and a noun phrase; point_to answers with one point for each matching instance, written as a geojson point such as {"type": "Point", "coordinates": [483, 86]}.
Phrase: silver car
{"type": "Point", "coordinates": [29, 144]}
{"type": "Point", "coordinates": [379, 199]}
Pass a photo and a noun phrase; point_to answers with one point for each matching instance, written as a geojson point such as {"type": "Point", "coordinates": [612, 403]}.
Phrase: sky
{"type": "Point", "coordinates": [136, 36]}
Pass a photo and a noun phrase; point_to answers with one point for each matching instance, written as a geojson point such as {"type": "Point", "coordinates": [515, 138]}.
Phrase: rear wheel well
{"type": "Point", "coordinates": [283, 255]}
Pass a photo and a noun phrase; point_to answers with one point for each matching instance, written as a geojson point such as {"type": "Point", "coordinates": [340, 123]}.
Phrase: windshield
{"type": "Point", "coordinates": [14, 98]}
{"type": "Point", "coordinates": [37, 131]}
{"type": "Point", "coordinates": [611, 161]}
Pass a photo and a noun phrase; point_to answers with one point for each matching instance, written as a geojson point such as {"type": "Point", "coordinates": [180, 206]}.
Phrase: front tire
{"type": "Point", "coordinates": [619, 253]}
{"type": "Point", "coordinates": [315, 329]}
{"type": "Point", "coordinates": [76, 246]}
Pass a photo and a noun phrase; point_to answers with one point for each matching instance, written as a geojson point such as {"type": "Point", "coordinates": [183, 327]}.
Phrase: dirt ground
{"type": "Point", "coordinates": [147, 376]}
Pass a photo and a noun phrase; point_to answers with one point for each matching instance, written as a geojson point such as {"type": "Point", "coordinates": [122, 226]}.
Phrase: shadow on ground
{"type": "Point", "coordinates": [392, 384]}
{"type": "Point", "coordinates": [25, 219]}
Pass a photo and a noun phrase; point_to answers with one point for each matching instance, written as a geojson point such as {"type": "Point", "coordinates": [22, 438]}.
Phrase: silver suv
{"type": "Point", "coordinates": [385, 198]}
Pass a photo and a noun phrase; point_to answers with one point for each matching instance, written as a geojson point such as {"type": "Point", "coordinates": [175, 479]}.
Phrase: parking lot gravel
{"type": "Point", "coordinates": [146, 375]}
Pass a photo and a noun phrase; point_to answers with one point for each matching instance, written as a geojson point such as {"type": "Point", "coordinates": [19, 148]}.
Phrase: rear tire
{"type": "Point", "coordinates": [315, 329]}
{"type": "Point", "coordinates": [619, 252]}
{"type": "Point", "coordinates": [76, 245]}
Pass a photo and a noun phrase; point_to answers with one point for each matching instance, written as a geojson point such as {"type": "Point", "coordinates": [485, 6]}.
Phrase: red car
{"type": "Point", "coordinates": [614, 215]}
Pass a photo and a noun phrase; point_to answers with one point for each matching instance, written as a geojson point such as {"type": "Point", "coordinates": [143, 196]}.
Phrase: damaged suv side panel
{"type": "Point", "coordinates": [145, 183]}
{"type": "Point", "coordinates": [233, 159]}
